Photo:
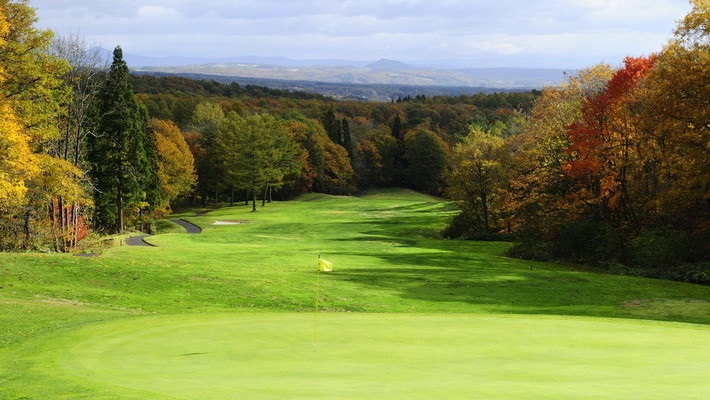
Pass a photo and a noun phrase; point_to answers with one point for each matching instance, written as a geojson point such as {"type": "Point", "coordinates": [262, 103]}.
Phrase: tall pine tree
{"type": "Point", "coordinates": [121, 153]}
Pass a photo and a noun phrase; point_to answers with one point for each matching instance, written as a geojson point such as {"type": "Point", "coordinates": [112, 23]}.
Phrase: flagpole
{"type": "Point", "coordinates": [315, 329]}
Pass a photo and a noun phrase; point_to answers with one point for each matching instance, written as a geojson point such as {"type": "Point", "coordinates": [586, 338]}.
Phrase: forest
{"type": "Point", "coordinates": [609, 169]}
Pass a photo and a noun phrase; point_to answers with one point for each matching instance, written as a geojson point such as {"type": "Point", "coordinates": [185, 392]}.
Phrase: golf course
{"type": "Point", "coordinates": [239, 311]}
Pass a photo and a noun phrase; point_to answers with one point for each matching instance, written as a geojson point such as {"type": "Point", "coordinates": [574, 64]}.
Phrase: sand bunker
{"type": "Point", "coordinates": [229, 222]}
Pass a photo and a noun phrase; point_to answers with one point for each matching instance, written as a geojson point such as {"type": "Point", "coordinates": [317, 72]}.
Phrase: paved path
{"type": "Point", "coordinates": [189, 227]}
{"type": "Point", "coordinates": [138, 240]}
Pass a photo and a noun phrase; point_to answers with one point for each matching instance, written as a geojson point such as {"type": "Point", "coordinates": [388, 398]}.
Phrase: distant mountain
{"type": "Point", "coordinates": [384, 64]}
{"type": "Point", "coordinates": [383, 80]}
{"type": "Point", "coordinates": [388, 72]}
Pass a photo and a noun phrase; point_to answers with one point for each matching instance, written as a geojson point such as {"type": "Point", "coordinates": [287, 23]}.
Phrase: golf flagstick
{"type": "Point", "coordinates": [321, 266]}
{"type": "Point", "coordinates": [315, 329]}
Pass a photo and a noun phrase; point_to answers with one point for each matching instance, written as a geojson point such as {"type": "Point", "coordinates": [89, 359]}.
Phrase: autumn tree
{"type": "Point", "coordinates": [537, 183]}
{"type": "Point", "coordinates": [328, 163]}
{"type": "Point", "coordinates": [301, 132]}
{"type": "Point", "coordinates": [32, 82]}
{"type": "Point", "coordinates": [176, 165]}
{"type": "Point", "coordinates": [674, 114]}
{"type": "Point", "coordinates": [31, 97]}
{"type": "Point", "coordinates": [17, 162]}
{"type": "Point", "coordinates": [121, 153]}
{"type": "Point", "coordinates": [374, 155]}
{"type": "Point", "coordinates": [477, 175]}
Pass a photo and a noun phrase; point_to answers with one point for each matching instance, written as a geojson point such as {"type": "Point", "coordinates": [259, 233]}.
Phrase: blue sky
{"type": "Point", "coordinates": [473, 33]}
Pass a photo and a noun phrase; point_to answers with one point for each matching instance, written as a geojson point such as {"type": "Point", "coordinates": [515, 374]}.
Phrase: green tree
{"type": "Point", "coordinates": [206, 120]}
{"type": "Point", "coordinates": [259, 152]}
{"type": "Point", "coordinates": [332, 126]}
{"type": "Point", "coordinates": [121, 153]}
{"type": "Point", "coordinates": [426, 157]}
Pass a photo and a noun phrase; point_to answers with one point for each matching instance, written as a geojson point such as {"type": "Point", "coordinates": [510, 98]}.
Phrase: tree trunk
{"type": "Point", "coordinates": [75, 224]}
{"type": "Point", "coordinates": [119, 213]}
{"type": "Point", "coordinates": [55, 225]}
{"type": "Point", "coordinates": [62, 224]}
{"type": "Point", "coordinates": [27, 228]}
{"type": "Point", "coordinates": [253, 200]}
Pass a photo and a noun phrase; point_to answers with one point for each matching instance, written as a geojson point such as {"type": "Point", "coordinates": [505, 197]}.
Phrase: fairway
{"type": "Point", "coordinates": [229, 314]}
{"type": "Point", "coordinates": [367, 356]}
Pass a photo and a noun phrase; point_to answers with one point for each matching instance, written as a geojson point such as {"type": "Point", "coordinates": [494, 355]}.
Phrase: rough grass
{"type": "Point", "coordinates": [388, 262]}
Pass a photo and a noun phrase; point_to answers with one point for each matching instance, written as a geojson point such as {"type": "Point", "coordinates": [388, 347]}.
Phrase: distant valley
{"type": "Point", "coordinates": [381, 80]}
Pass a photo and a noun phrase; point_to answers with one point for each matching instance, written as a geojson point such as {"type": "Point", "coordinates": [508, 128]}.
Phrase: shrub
{"type": "Point", "coordinates": [587, 241]}
{"type": "Point", "coordinates": [663, 249]}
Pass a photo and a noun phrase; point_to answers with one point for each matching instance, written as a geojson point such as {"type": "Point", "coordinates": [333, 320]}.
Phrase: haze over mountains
{"type": "Point", "coordinates": [351, 79]}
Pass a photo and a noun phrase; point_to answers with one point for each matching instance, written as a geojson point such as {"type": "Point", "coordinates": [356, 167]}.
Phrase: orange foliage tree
{"type": "Point", "coordinates": [604, 145]}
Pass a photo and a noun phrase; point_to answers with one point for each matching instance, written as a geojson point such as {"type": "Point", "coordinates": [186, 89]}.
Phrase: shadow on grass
{"type": "Point", "coordinates": [476, 273]}
{"type": "Point", "coordinates": [483, 280]}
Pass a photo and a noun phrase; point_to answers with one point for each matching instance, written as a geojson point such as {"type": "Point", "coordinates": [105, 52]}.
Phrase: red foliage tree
{"type": "Point", "coordinates": [602, 142]}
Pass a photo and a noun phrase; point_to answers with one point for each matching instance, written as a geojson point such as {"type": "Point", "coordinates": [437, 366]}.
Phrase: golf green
{"type": "Point", "coordinates": [391, 356]}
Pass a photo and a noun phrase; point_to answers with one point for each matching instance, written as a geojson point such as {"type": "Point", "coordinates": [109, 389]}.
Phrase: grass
{"type": "Point", "coordinates": [400, 311]}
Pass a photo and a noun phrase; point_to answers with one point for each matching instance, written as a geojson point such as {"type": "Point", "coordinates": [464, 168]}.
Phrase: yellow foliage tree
{"type": "Point", "coordinates": [17, 163]}
{"type": "Point", "coordinates": [675, 110]}
{"type": "Point", "coordinates": [176, 165]}
{"type": "Point", "coordinates": [31, 98]}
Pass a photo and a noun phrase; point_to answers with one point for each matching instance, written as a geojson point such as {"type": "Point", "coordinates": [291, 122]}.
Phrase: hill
{"type": "Point", "coordinates": [381, 80]}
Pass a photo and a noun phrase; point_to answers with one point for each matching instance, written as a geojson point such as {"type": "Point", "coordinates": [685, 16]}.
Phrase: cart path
{"type": "Point", "coordinates": [189, 226]}
{"type": "Point", "coordinates": [139, 240]}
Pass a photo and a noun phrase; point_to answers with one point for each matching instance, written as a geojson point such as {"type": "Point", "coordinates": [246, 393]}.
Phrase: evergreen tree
{"type": "Point", "coordinates": [426, 156]}
{"type": "Point", "coordinates": [347, 141]}
{"type": "Point", "coordinates": [400, 160]}
{"type": "Point", "coordinates": [206, 119]}
{"type": "Point", "coordinates": [332, 126]}
{"type": "Point", "coordinates": [122, 154]}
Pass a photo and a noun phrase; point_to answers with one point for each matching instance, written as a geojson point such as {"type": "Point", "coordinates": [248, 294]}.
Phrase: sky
{"type": "Point", "coordinates": [452, 33]}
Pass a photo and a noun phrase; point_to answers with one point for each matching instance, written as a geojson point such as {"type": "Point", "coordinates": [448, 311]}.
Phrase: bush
{"type": "Point", "coordinates": [697, 273]}
{"type": "Point", "coordinates": [664, 249]}
{"type": "Point", "coordinates": [588, 242]}
{"type": "Point", "coordinates": [468, 226]}
{"type": "Point", "coordinates": [529, 250]}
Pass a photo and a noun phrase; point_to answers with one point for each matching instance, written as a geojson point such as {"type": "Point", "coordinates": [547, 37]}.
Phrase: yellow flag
{"type": "Point", "coordinates": [324, 266]}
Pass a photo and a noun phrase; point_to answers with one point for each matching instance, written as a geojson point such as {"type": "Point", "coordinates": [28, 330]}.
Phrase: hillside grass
{"type": "Point", "coordinates": [389, 264]}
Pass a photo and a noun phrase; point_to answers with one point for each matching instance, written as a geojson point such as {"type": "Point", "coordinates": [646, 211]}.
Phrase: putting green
{"type": "Point", "coordinates": [403, 356]}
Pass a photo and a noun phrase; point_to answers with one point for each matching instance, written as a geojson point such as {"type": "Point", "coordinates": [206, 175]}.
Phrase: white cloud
{"type": "Point", "coordinates": [514, 31]}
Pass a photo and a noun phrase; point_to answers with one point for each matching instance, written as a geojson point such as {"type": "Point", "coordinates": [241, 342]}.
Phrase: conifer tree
{"type": "Point", "coordinates": [347, 141]}
{"type": "Point", "coordinates": [121, 153]}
